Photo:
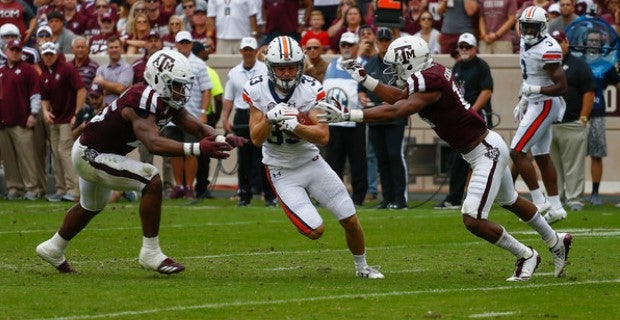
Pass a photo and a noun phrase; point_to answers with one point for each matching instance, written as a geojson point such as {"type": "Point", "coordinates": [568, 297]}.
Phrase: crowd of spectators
{"type": "Point", "coordinates": [114, 28]}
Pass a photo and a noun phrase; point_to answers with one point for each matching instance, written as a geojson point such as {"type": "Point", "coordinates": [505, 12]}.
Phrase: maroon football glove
{"type": "Point", "coordinates": [212, 149]}
{"type": "Point", "coordinates": [236, 141]}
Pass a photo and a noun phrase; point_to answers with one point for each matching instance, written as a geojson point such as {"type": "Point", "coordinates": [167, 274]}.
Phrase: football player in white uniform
{"type": "Point", "coordinates": [283, 122]}
{"type": "Point", "coordinates": [541, 104]}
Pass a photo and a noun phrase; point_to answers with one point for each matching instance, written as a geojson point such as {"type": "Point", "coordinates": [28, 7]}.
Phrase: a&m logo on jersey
{"type": "Point", "coordinates": [492, 153]}
{"type": "Point", "coordinates": [164, 62]}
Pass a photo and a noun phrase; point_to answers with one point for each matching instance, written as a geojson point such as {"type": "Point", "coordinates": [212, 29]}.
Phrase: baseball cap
{"type": "Point", "coordinates": [56, 15]}
{"type": "Point", "coordinates": [198, 47]}
{"type": "Point", "coordinates": [153, 33]}
{"type": "Point", "coordinates": [48, 47]}
{"type": "Point", "coordinates": [183, 36]}
{"type": "Point", "coordinates": [384, 33]}
{"type": "Point", "coordinates": [200, 8]}
{"type": "Point", "coordinates": [44, 28]}
{"type": "Point", "coordinates": [468, 38]}
{"type": "Point", "coordinates": [248, 42]}
{"type": "Point", "coordinates": [95, 90]}
{"type": "Point", "coordinates": [349, 37]}
{"type": "Point", "coordinates": [555, 7]}
{"type": "Point", "coordinates": [558, 35]}
{"type": "Point", "coordinates": [108, 16]}
{"type": "Point", "coordinates": [14, 44]}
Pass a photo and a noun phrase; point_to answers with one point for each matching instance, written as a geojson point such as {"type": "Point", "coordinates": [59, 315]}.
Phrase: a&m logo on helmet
{"type": "Point", "coordinates": [404, 52]}
{"type": "Point", "coordinates": [164, 62]}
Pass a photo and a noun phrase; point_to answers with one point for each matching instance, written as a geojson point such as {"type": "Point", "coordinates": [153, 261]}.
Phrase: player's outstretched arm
{"type": "Point", "coordinates": [386, 92]}
{"type": "Point", "coordinates": [147, 132]}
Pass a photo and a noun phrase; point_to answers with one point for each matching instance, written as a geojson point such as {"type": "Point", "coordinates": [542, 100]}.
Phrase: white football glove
{"type": "Point", "coordinates": [355, 69]}
{"type": "Point", "coordinates": [332, 113]}
{"type": "Point", "coordinates": [529, 89]}
{"type": "Point", "coordinates": [520, 110]}
{"type": "Point", "coordinates": [289, 124]}
{"type": "Point", "coordinates": [281, 112]}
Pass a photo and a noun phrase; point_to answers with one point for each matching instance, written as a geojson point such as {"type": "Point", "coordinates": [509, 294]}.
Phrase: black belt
{"type": "Point", "coordinates": [242, 110]}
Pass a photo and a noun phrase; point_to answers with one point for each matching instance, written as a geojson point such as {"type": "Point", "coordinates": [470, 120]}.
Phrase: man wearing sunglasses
{"type": "Point", "coordinates": [473, 76]}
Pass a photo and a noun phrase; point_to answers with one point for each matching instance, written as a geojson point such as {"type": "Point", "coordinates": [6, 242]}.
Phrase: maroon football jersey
{"type": "Point", "coordinates": [109, 132]}
{"type": "Point", "coordinates": [451, 116]}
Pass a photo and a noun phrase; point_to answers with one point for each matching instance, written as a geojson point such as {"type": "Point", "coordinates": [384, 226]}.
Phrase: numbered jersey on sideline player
{"type": "Point", "coordinates": [281, 149]}
{"type": "Point", "coordinates": [533, 60]}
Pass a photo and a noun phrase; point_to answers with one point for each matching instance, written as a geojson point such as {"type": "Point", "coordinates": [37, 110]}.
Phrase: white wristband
{"type": "Point", "coordinates": [191, 149]}
{"type": "Point", "coordinates": [535, 89]}
{"type": "Point", "coordinates": [356, 115]}
{"type": "Point", "coordinates": [370, 83]}
{"type": "Point", "coordinates": [220, 138]}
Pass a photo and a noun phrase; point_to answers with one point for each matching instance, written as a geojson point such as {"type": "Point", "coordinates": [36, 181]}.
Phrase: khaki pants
{"type": "Point", "coordinates": [20, 167]}
{"type": "Point", "coordinates": [61, 142]}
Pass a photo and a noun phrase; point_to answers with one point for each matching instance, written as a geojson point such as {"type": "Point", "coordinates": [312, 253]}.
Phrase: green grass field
{"type": "Point", "coordinates": [250, 263]}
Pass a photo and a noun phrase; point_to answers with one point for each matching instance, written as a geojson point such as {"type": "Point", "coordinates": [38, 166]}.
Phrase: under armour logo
{"type": "Point", "coordinates": [276, 174]}
{"type": "Point", "coordinates": [164, 62]}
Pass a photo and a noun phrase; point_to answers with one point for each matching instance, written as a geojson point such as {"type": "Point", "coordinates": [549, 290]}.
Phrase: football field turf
{"type": "Point", "coordinates": [250, 263]}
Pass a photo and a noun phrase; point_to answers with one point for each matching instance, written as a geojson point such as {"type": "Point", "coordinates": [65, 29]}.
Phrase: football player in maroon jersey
{"type": "Point", "coordinates": [429, 89]}
{"type": "Point", "coordinates": [99, 156]}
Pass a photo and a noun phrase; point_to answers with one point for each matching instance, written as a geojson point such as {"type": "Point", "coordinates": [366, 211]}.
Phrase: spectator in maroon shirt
{"type": "Point", "coordinates": [11, 11]}
{"type": "Point", "coordinates": [153, 44]}
{"type": "Point", "coordinates": [74, 21]}
{"type": "Point", "coordinates": [157, 18]}
{"type": "Point", "coordinates": [62, 96]}
{"type": "Point", "coordinates": [19, 107]}
{"type": "Point", "coordinates": [98, 42]}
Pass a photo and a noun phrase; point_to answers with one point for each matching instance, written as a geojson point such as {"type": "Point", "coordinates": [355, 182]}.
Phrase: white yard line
{"type": "Point", "coordinates": [324, 298]}
{"type": "Point", "coordinates": [491, 314]}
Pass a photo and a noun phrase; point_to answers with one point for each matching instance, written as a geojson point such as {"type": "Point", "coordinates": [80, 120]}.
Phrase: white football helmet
{"type": "Point", "coordinates": [405, 56]}
{"type": "Point", "coordinates": [8, 30]}
{"type": "Point", "coordinates": [170, 74]}
{"type": "Point", "coordinates": [533, 24]}
{"type": "Point", "coordinates": [284, 51]}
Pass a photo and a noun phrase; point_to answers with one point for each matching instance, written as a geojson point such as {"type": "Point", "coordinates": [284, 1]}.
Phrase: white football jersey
{"type": "Point", "coordinates": [281, 149]}
{"type": "Point", "coordinates": [534, 58]}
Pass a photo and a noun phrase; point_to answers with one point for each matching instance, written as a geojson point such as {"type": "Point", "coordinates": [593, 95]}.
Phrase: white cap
{"type": "Point", "coordinates": [468, 38]}
{"type": "Point", "coordinates": [555, 7]}
{"type": "Point", "coordinates": [45, 28]}
{"type": "Point", "coordinates": [183, 36]}
{"type": "Point", "coordinates": [349, 37]}
{"type": "Point", "coordinates": [48, 47]}
{"type": "Point", "coordinates": [248, 42]}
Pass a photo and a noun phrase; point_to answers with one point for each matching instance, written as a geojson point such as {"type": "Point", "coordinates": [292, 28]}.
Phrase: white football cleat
{"type": "Point", "coordinates": [54, 256]}
{"type": "Point", "coordinates": [543, 207]}
{"type": "Point", "coordinates": [368, 272]}
{"type": "Point", "coordinates": [560, 252]}
{"type": "Point", "coordinates": [525, 267]}
{"type": "Point", "coordinates": [554, 216]}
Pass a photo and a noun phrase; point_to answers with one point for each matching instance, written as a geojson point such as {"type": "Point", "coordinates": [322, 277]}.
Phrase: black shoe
{"type": "Point", "coordinates": [243, 203]}
{"type": "Point", "coordinates": [206, 195]}
{"type": "Point", "coordinates": [382, 205]}
{"type": "Point", "coordinates": [446, 205]}
{"type": "Point", "coordinates": [397, 206]}
{"type": "Point", "coordinates": [271, 203]}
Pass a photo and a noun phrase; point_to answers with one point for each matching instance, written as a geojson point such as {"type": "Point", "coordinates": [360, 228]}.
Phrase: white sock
{"type": "Point", "coordinates": [59, 242]}
{"type": "Point", "coordinates": [508, 242]}
{"type": "Point", "coordinates": [360, 261]}
{"type": "Point", "coordinates": [537, 196]}
{"type": "Point", "coordinates": [151, 244]}
{"type": "Point", "coordinates": [556, 204]}
{"type": "Point", "coordinates": [540, 225]}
